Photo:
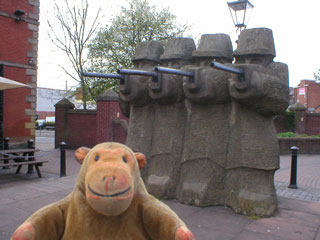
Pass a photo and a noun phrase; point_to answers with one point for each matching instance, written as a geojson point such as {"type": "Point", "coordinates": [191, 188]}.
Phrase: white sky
{"type": "Point", "coordinates": [294, 23]}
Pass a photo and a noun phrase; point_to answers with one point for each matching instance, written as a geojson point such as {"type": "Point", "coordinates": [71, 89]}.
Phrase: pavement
{"type": "Point", "coordinates": [298, 216]}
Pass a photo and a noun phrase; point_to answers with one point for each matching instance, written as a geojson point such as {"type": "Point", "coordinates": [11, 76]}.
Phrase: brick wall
{"type": "Point", "coordinates": [107, 129]}
{"type": "Point", "coordinates": [306, 123]}
{"type": "Point", "coordinates": [18, 55]}
{"type": "Point", "coordinates": [82, 128]}
{"type": "Point", "coordinates": [89, 127]}
{"type": "Point", "coordinates": [281, 124]}
{"type": "Point", "coordinates": [305, 145]}
{"type": "Point", "coordinates": [312, 123]}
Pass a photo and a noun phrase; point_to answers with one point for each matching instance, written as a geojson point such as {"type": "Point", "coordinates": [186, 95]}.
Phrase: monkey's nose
{"type": "Point", "coordinates": [108, 180]}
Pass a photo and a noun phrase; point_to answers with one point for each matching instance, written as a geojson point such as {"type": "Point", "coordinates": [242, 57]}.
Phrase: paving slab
{"type": "Point", "coordinates": [23, 194]}
{"type": "Point", "coordinates": [254, 235]}
{"type": "Point", "coordinates": [281, 228]}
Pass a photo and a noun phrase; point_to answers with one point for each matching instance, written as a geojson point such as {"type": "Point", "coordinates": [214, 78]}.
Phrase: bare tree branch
{"type": "Point", "coordinates": [70, 33]}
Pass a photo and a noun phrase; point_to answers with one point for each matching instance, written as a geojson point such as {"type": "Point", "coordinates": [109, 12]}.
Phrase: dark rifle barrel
{"type": "Point", "coordinates": [137, 72]}
{"type": "Point", "coordinates": [174, 71]}
{"type": "Point", "coordinates": [102, 75]}
{"type": "Point", "coordinates": [225, 68]}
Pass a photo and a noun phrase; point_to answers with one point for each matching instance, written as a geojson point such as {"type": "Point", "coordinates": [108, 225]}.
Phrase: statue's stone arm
{"type": "Point", "coordinates": [124, 107]}
{"type": "Point", "coordinates": [264, 90]}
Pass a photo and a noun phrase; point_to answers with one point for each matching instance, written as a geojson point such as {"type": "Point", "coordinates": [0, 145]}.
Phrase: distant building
{"type": "Point", "coordinates": [291, 96]}
{"type": "Point", "coordinates": [46, 99]}
{"type": "Point", "coordinates": [19, 21]}
{"type": "Point", "coordinates": [308, 94]}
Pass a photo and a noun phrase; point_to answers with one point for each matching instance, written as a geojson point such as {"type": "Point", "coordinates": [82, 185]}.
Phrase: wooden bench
{"type": "Point", "coordinates": [21, 157]}
{"type": "Point", "coordinates": [37, 164]}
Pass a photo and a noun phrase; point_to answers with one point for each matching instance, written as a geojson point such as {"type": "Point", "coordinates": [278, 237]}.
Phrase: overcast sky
{"type": "Point", "coordinates": [295, 26]}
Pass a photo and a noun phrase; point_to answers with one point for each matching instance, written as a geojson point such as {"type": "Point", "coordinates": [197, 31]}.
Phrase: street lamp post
{"type": "Point", "coordinates": [239, 11]}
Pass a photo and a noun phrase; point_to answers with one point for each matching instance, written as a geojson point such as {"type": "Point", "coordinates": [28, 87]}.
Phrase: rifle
{"type": "Point", "coordinates": [139, 73]}
{"type": "Point", "coordinates": [175, 72]}
{"type": "Point", "coordinates": [156, 84]}
{"type": "Point", "coordinates": [222, 67]}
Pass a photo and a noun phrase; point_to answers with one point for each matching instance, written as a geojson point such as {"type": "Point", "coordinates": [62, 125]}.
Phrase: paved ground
{"type": "Point", "coordinates": [298, 216]}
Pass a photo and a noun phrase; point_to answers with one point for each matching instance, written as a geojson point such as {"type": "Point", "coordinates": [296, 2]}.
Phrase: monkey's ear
{"type": "Point", "coordinates": [141, 158]}
{"type": "Point", "coordinates": [81, 153]}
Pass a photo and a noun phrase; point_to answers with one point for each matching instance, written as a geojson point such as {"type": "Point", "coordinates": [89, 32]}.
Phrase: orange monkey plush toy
{"type": "Point", "coordinates": [109, 201]}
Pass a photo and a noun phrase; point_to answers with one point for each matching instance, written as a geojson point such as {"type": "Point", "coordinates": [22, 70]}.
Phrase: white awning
{"type": "Point", "coordinates": [6, 83]}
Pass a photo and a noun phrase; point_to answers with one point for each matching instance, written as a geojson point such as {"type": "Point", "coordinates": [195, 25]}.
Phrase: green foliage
{"type": "Point", "coordinates": [290, 119]}
{"type": "Point", "coordinates": [287, 134]}
{"type": "Point", "coordinates": [254, 217]}
{"type": "Point", "coordinates": [113, 46]}
{"type": "Point", "coordinates": [49, 124]}
{"type": "Point", "coordinates": [292, 134]}
{"type": "Point", "coordinates": [316, 74]}
{"type": "Point", "coordinates": [303, 135]}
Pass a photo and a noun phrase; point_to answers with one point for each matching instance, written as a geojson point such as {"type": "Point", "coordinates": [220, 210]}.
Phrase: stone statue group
{"type": "Point", "coordinates": [209, 140]}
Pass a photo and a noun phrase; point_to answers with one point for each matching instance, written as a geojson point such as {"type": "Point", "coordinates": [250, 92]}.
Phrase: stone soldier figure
{"type": "Point", "coordinates": [208, 106]}
{"type": "Point", "coordinates": [253, 153]}
{"type": "Point", "coordinates": [135, 101]}
{"type": "Point", "coordinates": [169, 120]}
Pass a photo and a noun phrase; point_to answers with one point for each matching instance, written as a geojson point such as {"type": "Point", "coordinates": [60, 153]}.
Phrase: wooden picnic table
{"type": "Point", "coordinates": [24, 156]}
{"type": "Point", "coordinates": [19, 150]}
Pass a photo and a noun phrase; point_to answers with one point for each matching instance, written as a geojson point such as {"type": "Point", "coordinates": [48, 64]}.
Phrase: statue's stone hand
{"type": "Point", "coordinates": [250, 86]}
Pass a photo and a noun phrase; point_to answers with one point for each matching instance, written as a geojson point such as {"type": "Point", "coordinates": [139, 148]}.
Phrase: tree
{"type": "Point", "coordinates": [70, 32]}
{"type": "Point", "coordinates": [113, 47]}
{"type": "Point", "coordinates": [317, 75]}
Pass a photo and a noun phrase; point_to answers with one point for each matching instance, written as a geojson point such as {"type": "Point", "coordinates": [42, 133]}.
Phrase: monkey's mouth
{"type": "Point", "coordinates": [109, 195]}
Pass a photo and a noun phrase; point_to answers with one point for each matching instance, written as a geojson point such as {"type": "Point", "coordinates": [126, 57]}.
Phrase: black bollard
{"type": "Point", "coordinates": [293, 175]}
{"type": "Point", "coordinates": [30, 144]}
{"type": "Point", "coordinates": [63, 147]}
{"type": "Point", "coordinates": [6, 143]}
{"type": "Point", "coordinates": [6, 147]}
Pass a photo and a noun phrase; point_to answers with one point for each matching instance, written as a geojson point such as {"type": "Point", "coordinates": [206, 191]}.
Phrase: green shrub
{"type": "Point", "coordinates": [290, 119]}
{"type": "Point", "coordinates": [292, 134]}
{"type": "Point", "coordinates": [287, 134]}
{"type": "Point", "coordinates": [49, 124]}
{"type": "Point", "coordinates": [303, 135]}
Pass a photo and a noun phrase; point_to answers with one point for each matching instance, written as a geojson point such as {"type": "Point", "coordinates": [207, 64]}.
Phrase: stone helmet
{"type": "Point", "coordinates": [150, 51]}
{"type": "Point", "coordinates": [178, 49]}
{"type": "Point", "coordinates": [255, 41]}
{"type": "Point", "coordinates": [214, 46]}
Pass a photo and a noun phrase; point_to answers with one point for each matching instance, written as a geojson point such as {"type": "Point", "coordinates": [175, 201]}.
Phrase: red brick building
{"type": "Point", "coordinates": [308, 94]}
{"type": "Point", "coordinates": [19, 21]}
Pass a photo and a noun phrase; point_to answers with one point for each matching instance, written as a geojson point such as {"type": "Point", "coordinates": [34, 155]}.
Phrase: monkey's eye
{"type": "Point", "coordinates": [124, 159]}
{"type": "Point", "coordinates": [96, 158]}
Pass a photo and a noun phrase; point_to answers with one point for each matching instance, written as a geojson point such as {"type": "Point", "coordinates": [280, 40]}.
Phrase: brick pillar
{"type": "Point", "coordinates": [300, 114]}
{"type": "Point", "coordinates": [107, 110]}
{"type": "Point", "coordinates": [61, 125]}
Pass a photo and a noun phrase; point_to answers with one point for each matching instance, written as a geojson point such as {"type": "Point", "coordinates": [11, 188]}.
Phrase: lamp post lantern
{"type": "Point", "coordinates": [238, 10]}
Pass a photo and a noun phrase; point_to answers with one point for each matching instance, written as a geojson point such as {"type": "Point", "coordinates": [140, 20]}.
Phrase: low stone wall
{"type": "Point", "coordinates": [306, 145]}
